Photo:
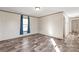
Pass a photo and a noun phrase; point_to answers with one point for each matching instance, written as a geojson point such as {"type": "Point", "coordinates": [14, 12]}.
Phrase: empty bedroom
{"type": "Point", "coordinates": [39, 29]}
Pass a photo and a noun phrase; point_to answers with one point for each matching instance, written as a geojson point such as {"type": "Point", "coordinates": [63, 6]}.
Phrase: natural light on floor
{"type": "Point", "coordinates": [54, 44]}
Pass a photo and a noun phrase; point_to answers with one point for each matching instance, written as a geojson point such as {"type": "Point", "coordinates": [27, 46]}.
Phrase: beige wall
{"type": "Point", "coordinates": [75, 24]}
{"type": "Point", "coordinates": [67, 24]}
{"type": "Point", "coordinates": [71, 24]}
{"type": "Point", "coordinates": [52, 25]}
{"type": "Point", "coordinates": [34, 25]}
{"type": "Point", "coordinates": [10, 25]}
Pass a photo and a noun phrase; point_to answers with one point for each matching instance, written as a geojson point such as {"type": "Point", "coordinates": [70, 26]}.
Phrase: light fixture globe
{"type": "Point", "coordinates": [37, 8]}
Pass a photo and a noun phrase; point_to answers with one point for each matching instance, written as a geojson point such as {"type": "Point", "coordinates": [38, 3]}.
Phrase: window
{"type": "Point", "coordinates": [25, 25]}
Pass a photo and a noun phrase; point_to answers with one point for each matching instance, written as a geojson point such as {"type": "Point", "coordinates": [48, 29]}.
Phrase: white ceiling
{"type": "Point", "coordinates": [70, 11]}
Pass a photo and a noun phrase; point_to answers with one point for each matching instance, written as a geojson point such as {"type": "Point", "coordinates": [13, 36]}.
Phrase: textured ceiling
{"type": "Point", "coordinates": [70, 11]}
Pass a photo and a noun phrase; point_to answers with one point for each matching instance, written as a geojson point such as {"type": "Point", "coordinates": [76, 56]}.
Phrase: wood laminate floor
{"type": "Point", "coordinates": [35, 43]}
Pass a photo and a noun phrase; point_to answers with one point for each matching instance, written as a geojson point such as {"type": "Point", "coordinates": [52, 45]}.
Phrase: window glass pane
{"type": "Point", "coordinates": [25, 21]}
{"type": "Point", "coordinates": [24, 27]}
{"type": "Point", "coordinates": [25, 24]}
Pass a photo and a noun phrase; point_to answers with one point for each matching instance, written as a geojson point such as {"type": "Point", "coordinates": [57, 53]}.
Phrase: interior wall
{"type": "Point", "coordinates": [71, 25]}
{"type": "Point", "coordinates": [75, 24]}
{"type": "Point", "coordinates": [67, 25]}
{"type": "Point", "coordinates": [52, 25]}
{"type": "Point", "coordinates": [10, 25]}
{"type": "Point", "coordinates": [34, 25]}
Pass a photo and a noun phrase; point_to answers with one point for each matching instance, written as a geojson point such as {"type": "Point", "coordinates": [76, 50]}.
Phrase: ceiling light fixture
{"type": "Point", "coordinates": [37, 8]}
